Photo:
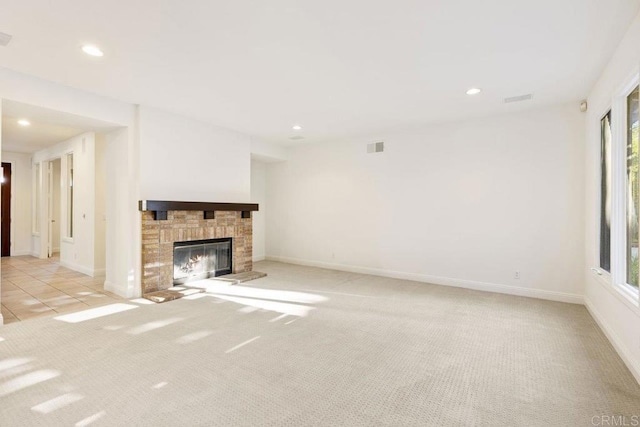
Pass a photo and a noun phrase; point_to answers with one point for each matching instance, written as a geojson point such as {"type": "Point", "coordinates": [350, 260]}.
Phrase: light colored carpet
{"type": "Point", "coordinates": [370, 351]}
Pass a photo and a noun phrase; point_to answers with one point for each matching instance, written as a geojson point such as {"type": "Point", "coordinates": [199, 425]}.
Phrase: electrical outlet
{"type": "Point", "coordinates": [516, 275]}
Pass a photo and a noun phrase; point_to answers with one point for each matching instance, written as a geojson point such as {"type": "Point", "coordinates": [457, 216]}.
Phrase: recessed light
{"type": "Point", "coordinates": [474, 91]}
{"type": "Point", "coordinates": [92, 50]}
{"type": "Point", "coordinates": [296, 127]}
{"type": "Point", "coordinates": [24, 122]}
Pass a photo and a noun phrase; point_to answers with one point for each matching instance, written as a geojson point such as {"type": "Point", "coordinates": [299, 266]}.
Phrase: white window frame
{"type": "Point", "coordinates": [619, 191]}
{"type": "Point", "coordinates": [604, 274]}
{"type": "Point", "coordinates": [68, 205]}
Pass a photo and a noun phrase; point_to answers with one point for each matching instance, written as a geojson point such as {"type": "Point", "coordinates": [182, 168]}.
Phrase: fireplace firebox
{"type": "Point", "coordinates": [201, 259]}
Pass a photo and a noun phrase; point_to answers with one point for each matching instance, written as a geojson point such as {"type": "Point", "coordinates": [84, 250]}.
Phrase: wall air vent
{"type": "Point", "coordinates": [518, 98]}
{"type": "Point", "coordinates": [4, 39]}
{"type": "Point", "coordinates": [296, 138]}
{"type": "Point", "coordinates": [375, 147]}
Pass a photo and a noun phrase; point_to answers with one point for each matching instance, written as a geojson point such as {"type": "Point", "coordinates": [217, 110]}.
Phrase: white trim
{"type": "Point", "coordinates": [621, 294]}
{"type": "Point", "coordinates": [82, 269]}
{"type": "Point", "coordinates": [1, 320]}
{"type": "Point", "coordinates": [76, 267]}
{"type": "Point", "coordinates": [630, 83]}
{"type": "Point", "coordinates": [258, 258]}
{"type": "Point", "coordinates": [615, 340]}
{"type": "Point", "coordinates": [114, 288]}
{"type": "Point", "coordinates": [438, 280]}
{"type": "Point", "coordinates": [618, 190]}
{"type": "Point", "coordinates": [627, 296]}
{"type": "Point", "coordinates": [598, 207]}
{"type": "Point", "coordinates": [21, 253]}
{"type": "Point", "coordinates": [619, 186]}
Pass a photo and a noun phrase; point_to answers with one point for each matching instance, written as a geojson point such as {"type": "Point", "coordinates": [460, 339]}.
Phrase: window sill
{"type": "Point", "coordinates": [67, 239]}
{"type": "Point", "coordinates": [629, 294]}
{"type": "Point", "coordinates": [624, 293]}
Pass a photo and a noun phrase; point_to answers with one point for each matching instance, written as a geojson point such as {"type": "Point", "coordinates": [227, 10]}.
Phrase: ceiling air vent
{"type": "Point", "coordinates": [4, 39]}
{"type": "Point", "coordinates": [518, 98]}
{"type": "Point", "coordinates": [296, 138]}
{"type": "Point", "coordinates": [375, 147]}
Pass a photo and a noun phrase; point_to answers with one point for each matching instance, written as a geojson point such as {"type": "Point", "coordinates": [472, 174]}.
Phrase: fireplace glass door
{"type": "Point", "coordinates": [201, 259]}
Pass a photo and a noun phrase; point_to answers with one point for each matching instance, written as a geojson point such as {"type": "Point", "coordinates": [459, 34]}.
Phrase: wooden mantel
{"type": "Point", "coordinates": [161, 207]}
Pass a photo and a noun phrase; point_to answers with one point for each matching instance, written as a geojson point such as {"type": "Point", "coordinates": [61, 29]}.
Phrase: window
{"type": "Point", "coordinates": [605, 192]}
{"type": "Point", "coordinates": [70, 195]}
{"type": "Point", "coordinates": [633, 198]}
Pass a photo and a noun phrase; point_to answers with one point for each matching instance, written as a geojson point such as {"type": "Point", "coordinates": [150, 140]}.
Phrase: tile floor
{"type": "Point", "coordinates": [33, 287]}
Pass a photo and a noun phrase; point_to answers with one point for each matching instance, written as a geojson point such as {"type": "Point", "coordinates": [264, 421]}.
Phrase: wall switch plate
{"type": "Point", "coordinates": [516, 275]}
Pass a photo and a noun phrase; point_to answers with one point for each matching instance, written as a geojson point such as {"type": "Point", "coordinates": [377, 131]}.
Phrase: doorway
{"type": "Point", "coordinates": [6, 209]}
{"type": "Point", "coordinates": [83, 149]}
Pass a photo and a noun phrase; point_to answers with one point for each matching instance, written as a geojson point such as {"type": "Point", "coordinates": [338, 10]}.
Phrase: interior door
{"type": "Point", "coordinates": [5, 197]}
{"type": "Point", "coordinates": [50, 209]}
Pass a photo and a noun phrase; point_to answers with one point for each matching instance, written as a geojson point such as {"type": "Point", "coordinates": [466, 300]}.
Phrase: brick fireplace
{"type": "Point", "coordinates": [165, 223]}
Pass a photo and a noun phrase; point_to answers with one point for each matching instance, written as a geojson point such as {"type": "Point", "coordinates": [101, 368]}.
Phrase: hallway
{"type": "Point", "coordinates": [33, 287]}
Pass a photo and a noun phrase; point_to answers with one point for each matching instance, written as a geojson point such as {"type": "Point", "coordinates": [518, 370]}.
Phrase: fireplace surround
{"type": "Point", "coordinates": [191, 222]}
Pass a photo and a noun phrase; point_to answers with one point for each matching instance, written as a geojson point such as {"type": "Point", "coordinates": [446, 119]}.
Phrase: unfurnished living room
{"type": "Point", "coordinates": [320, 213]}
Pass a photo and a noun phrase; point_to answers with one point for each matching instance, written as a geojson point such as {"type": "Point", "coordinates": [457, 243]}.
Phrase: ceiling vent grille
{"type": "Point", "coordinates": [296, 138]}
{"type": "Point", "coordinates": [375, 147]}
{"type": "Point", "coordinates": [518, 98]}
{"type": "Point", "coordinates": [4, 39]}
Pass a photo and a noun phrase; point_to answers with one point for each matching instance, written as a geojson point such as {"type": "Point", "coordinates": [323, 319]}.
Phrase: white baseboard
{"type": "Point", "coordinates": [114, 288]}
{"type": "Point", "coordinates": [615, 340]}
{"type": "Point", "coordinates": [98, 272]}
{"type": "Point", "coordinates": [111, 287]}
{"type": "Point", "coordinates": [259, 258]}
{"type": "Point", "coordinates": [21, 253]}
{"type": "Point", "coordinates": [1, 320]}
{"type": "Point", "coordinates": [76, 267]}
{"type": "Point", "coordinates": [438, 280]}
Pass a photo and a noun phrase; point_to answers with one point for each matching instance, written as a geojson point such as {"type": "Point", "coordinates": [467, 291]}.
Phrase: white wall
{"type": "Point", "coordinates": [465, 204]}
{"type": "Point", "coordinates": [100, 242]}
{"type": "Point", "coordinates": [123, 260]}
{"type": "Point", "coordinates": [618, 317]}
{"type": "Point", "coordinates": [21, 199]}
{"type": "Point", "coordinates": [267, 152]}
{"type": "Point", "coordinates": [259, 195]}
{"type": "Point", "coordinates": [184, 159]}
{"type": "Point", "coordinates": [122, 168]}
{"type": "Point", "coordinates": [77, 252]}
